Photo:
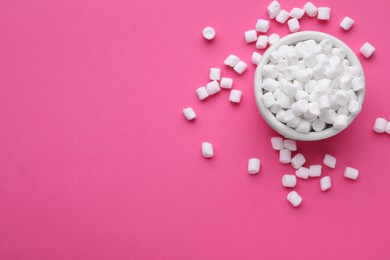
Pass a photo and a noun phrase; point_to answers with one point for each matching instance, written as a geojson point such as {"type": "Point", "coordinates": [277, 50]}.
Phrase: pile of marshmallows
{"type": "Point", "coordinates": [310, 85]}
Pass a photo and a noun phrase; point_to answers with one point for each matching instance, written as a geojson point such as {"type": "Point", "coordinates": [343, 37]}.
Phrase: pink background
{"type": "Point", "coordinates": [98, 162]}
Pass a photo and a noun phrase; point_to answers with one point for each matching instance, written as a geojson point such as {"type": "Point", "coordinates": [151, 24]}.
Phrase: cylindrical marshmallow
{"type": "Point", "coordinates": [207, 150]}
{"type": "Point", "coordinates": [285, 156]}
{"type": "Point", "coordinates": [253, 166]}
{"type": "Point", "coordinates": [303, 127]}
{"type": "Point", "coordinates": [351, 173]}
{"type": "Point", "coordinates": [380, 125]}
{"type": "Point", "coordinates": [324, 102]}
{"type": "Point", "coordinates": [304, 75]}
{"type": "Point", "coordinates": [208, 33]}
{"type": "Point", "coordinates": [290, 145]}
{"type": "Point", "coordinates": [262, 25]}
{"type": "Point", "coordinates": [289, 180]}
{"type": "Point", "coordinates": [347, 23]}
{"type": "Point", "coordinates": [291, 120]}
{"type": "Point", "coordinates": [213, 87]}
{"type": "Point", "coordinates": [323, 13]}
{"type": "Point", "coordinates": [277, 143]}
{"type": "Point", "coordinates": [294, 198]}
{"type": "Point", "coordinates": [318, 125]}
{"type": "Point", "coordinates": [189, 113]}
{"type": "Point", "coordinates": [354, 107]}
{"type": "Point", "coordinates": [293, 25]}
{"type": "Point", "coordinates": [367, 50]}
{"type": "Point", "coordinates": [273, 9]}
{"type": "Point", "coordinates": [268, 99]}
{"type": "Point", "coordinates": [325, 183]}
{"type": "Point", "coordinates": [282, 16]}
{"type": "Point", "coordinates": [270, 71]}
{"type": "Point", "coordinates": [341, 122]}
{"type": "Point", "coordinates": [256, 58]}
{"type": "Point", "coordinates": [231, 60]}
{"type": "Point", "coordinates": [387, 129]}
{"type": "Point", "coordinates": [262, 42]}
{"type": "Point", "coordinates": [235, 95]}
{"type": "Point", "coordinates": [202, 93]}
{"type": "Point", "coordinates": [310, 9]}
{"type": "Point", "coordinates": [270, 84]}
{"type": "Point", "coordinates": [357, 84]}
{"type": "Point", "coordinates": [240, 67]}
{"type": "Point", "coordinates": [300, 107]}
{"type": "Point", "coordinates": [215, 74]}
{"type": "Point", "coordinates": [250, 36]}
{"type": "Point", "coordinates": [315, 170]}
{"type": "Point", "coordinates": [226, 83]}
{"type": "Point", "coordinates": [329, 161]}
{"type": "Point", "coordinates": [273, 38]}
{"type": "Point", "coordinates": [297, 13]}
{"type": "Point", "coordinates": [298, 160]}
{"type": "Point", "coordinates": [302, 172]}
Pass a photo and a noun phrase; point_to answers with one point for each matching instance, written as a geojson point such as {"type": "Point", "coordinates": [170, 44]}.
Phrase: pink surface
{"type": "Point", "coordinates": [98, 162]}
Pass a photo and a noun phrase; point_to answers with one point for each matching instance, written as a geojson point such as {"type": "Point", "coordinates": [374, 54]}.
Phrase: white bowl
{"type": "Point", "coordinates": [270, 118]}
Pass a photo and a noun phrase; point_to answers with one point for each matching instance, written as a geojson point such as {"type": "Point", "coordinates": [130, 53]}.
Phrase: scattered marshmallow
{"type": "Point", "coordinates": [367, 50]}
{"type": "Point", "coordinates": [277, 143]}
{"type": "Point", "coordinates": [262, 25]}
{"type": "Point", "coordinates": [387, 129]}
{"type": "Point", "coordinates": [323, 13]}
{"type": "Point", "coordinates": [273, 9]}
{"type": "Point", "coordinates": [240, 67]}
{"type": "Point", "coordinates": [273, 38]}
{"type": "Point", "coordinates": [315, 170]}
{"type": "Point", "coordinates": [290, 145]}
{"type": "Point", "coordinates": [351, 173]}
{"type": "Point", "coordinates": [298, 160]}
{"type": "Point", "coordinates": [285, 156]}
{"type": "Point", "coordinates": [213, 87]}
{"type": "Point", "coordinates": [226, 83]}
{"type": "Point", "coordinates": [289, 180]}
{"type": "Point", "coordinates": [282, 16]}
{"type": "Point", "coordinates": [189, 113]}
{"type": "Point", "coordinates": [250, 36]}
{"type": "Point", "coordinates": [329, 161]}
{"type": "Point", "coordinates": [202, 93]}
{"type": "Point", "coordinates": [294, 198]}
{"type": "Point", "coordinates": [302, 172]}
{"type": "Point", "coordinates": [293, 25]}
{"type": "Point", "coordinates": [208, 33]}
{"type": "Point", "coordinates": [256, 58]}
{"type": "Point", "coordinates": [297, 13]}
{"type": "Point", "coordinates": [380, 125]}
{"type": "Point", "coordinates": [253, 166]}
{"type": "Point", "coordinates": [231, 60]}
{"type": "Point", "coordinates": [310, 9]}
{"type": "Point", "coordinates": [207, 150]}
{"type": "Point", "coordinates": [325, 183]}
{"type": "Point", "coordinates": [235, 95]}
{"type": "Point", "coordinates": [262, 42]}
{"type": "Point", "coordinates": [215, 74]}
{"type": "Point", "coordinates": [347, 23]}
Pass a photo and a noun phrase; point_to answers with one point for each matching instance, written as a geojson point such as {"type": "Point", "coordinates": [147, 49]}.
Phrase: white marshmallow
{"type": "Point", "coordinates": [253, 166]}
{"type": "Point", "coordinates": [270, 71]}
{"type": "Point", "coordinates": [207, 150]}
{"type": "Point", "coordinates": [351, 173]}
{"type": "Point", "coordinates": [226, 83]}
{"type": "Point", "coordinates": [256, 58]}
{"type": "Point", "coordinates": [309, 59]}
{"type": "Point", "coordinates": [339, 52]}
{"type": "Point", "coordinates": [297, 13]}
{"type": "Point", "coordinates": [315, 170]}
{"type": "Point", "coordinates": [323, 13]}
{"type": "Point", "coordinates": [341, 97]}
{"type": "Point", "coordinates": [380, 125]}
{"type": "Point", "coordinates": [324, 102]}
{"type": "Point", "coordinates": [235, 95]}
{"type": "Point", "coordinates": [302, 173]}
{"type": "Point", "coordinates": [262, 42]}
{"type": "Point", "coordinates": [290, 145]}
{"type": "Point", "coordinates": [354, 107]}
{"type": "Point", "coordinates": [282, 16]}
{"type": "Point", "coordinates": [273, 9]}
{"type": "Point", "coordinates": [240, 67]}
{"type": "Point", "coordinates": [293, 25]}
{"type": "Point", "coordinates": [323, 87]}
{"type": "Point", "coordinates": [290, 73]}
{"type": "Point", "coordinates": [275, 56]}
{"type": "Point", "coordinates": [313, 112]}
{"type": "Point", "coordinates": [318, 72]}
{"type": "Point", "coordinates": [387, 129]}
{"type": "Point", "coordinates": [262, 25]}
{"type": "Point", "coordinates": [345, 82]}
{"type": "Point", "coordinates": [275, 108]}
{"type": "Point", "coordinates": [298, 160]}
{"type": "Point", "coordinates": [318, 125]}
{"type": "Point", "coordinates": [213, 87]}
{"type": "Point", "coordinates": [268, 99]}
{"type": "Point", "coordinates": [301, 48]}
{"type": "Point", "coordinates": [343, 111]}
{"type": "Point", "coordinates": [208, 33]}
{"type": "Point", "coordinates": [353, 71]}
{"type": "Point", "coordinates": [291, 57]}
{"type": "Point", "coordinates": [347, 23]}
{"type": "Point", "coordinates": [273, 38]}
{"type": "Point", "coordinates": [280, 116]}
{"type": "Point", "coordinates": [300, 107]}
{"type": "Point", "coordinates": [289, 89]}
{"type": "Point", "coordinates": [277, 143]}
{"type": "Point", "coordinates": [329, 161]}
{"type": "Point", "coordinates": [310, 9]}
{"type": "Point", "coordinates": [325, 46]}
{"type": "Point", "coordinates": [231, 60]}
{"type": "Point", "coordinates": [270, 84]}
{"type": "Point", "coordinates": [289, 180]}
{"type": "Point", "coordinates": [303, 127]}
{"type": "Point", "coordinates": [341, 122]}
{"type": "Point", "coordinates": [323, 60]}
{"type": "Point", "coordinates": [202, 93]}
{"type": "Point", "coordinates": [282, 64]}
{"type": "Point", "coordinates": [189, 113]}
{"type": "Point", "coordinates": [285, 156]}
{"type": "Point", "coordinates": [291, 120]}
{"type": "Point", "coordinates": [294, 198]}
{"type": "Point", "coordinates": [367, 50]}
{"type": "Point", "coordinates": [325, 183]}
{"type": "Point", "coordinates": [302, 95]}
{"type": "Point", "coordinates": [250, 36]}
{"type": "Point", "coordinates": [304, 75]}
{"type": "Point", "coordinates": [328, 116]}
{"type": "Point", "coordinates": [215, 74]}
{"type": "Point", "coordinates": [357, 84]}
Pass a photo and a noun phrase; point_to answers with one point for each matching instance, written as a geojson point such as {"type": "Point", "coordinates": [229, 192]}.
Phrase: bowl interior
{"type": "Point", "coordinates": [270, 118]}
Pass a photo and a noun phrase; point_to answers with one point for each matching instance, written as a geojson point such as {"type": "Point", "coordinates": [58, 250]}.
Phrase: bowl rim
{"type": "Point", "coordinates": [270, 118]}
